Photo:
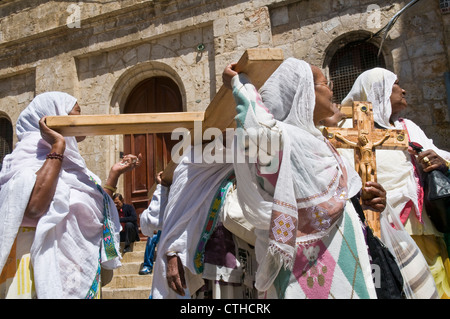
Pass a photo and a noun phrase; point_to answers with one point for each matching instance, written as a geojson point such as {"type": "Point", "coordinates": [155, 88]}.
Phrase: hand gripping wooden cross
{"type": "Point", "coordinates": [365, 139]}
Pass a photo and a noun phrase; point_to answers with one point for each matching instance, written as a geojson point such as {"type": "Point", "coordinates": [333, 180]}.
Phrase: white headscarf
{"type": "Point", "coordinates": [289, 95]}
{"type": "Point", "coordinates": [375, 86]}
{"type": "Point", "coordinates": [399, 180]}
{"type": "Point", "coordinates": [399, 177]}
{"type": "Point", "coordinates": [66, 248]}
{"type": "Point", "coordinates": [309, 175]}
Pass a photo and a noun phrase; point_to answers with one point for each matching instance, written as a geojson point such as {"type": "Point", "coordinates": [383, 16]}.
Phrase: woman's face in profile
{"type": "Point", "coordinates": [77, 111]}
{"type": "Point", "coordinates": [324, 96]}
{"type": "Point", "coordinates": [398, 100]}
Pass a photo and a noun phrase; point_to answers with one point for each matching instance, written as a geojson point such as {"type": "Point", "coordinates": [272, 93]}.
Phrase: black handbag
{"type": "Point", "coordinates": [437, 200]}
{"type": "Point", "coordinates": [436, 196]}
{"type": "Point", "coordinates": [391, 280]}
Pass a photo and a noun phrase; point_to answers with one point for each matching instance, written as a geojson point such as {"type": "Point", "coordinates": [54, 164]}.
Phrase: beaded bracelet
{"type": "Point", "coordinates": [55, 155]}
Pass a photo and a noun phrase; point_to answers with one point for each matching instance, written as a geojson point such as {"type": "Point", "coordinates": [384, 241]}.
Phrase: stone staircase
{"type": "Point", "coordinates": [126, 282]}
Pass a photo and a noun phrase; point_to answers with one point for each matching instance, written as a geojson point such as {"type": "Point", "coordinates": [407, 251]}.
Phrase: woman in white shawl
{"type": "Point", "coordinates": [310, 241]}
{"type": "Point", "coordinates": [398, 171]}
{"type": "Point", "coordinates": [58, 226]}
{"type": "Point", "coordinates": [196, 192]}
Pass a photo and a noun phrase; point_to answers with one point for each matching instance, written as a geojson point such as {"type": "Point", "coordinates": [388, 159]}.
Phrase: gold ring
{"type": "Point", "coordinates": [426, 160]}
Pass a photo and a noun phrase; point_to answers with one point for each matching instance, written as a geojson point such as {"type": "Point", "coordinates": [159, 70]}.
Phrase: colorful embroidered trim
{"type": "Point", "coordinates": [93, 291]}
{"type": "Point", "coordinates": [108, 241]}
{"type": "Point", "coordinates": [404, 214]}
{"type": "Point", "coordinates": [211, 220]}
{"type": "Point", "coordinates": [108, 238]}
{"type": "Point", "coordinates": [283, 204]}
{"type": "Point", "coordinates": [283, 227]}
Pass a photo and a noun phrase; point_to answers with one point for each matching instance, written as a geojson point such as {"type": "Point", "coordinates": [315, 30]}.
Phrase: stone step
{"type": "Point", "coordinates": [133, 256]}
{"type": "Point", "coordinates": [136, 246]}
{"type": "Point", "coordinates": [130, 268]}
{"type": "Point", "coordinates": [126, 282]}
{"type": "Point", "coordinates": [125, 293]}
{"type": "Point", "coordinates": [131, 281]}
{"type": "Point", "coordinates": [140, 245]}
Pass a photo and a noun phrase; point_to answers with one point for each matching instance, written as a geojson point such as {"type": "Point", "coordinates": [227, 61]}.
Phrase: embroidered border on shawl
{"type": "Point", "coordinates": [283, 228]}
{"type": "Point", "coordinates": [284, 204]}
{"type": "Point", "coordinates": [110, 248]}
{"type": "Point", "coordinates": [108, 238]}
{"type": "Point", "coordinates": [404, 214]}
{"type": "Point", "coordinates": [211, 220]}
{"type": "Point", "coordinates": [108, 241]}
{"type": "Point", "coordinates": [301, 200]}
{"type": "Point", "coordinates": [93, 290]}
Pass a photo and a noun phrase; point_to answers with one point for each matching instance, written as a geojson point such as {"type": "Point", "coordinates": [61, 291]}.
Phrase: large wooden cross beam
{"type": "Point", "coordinates": [257, 63]}
{"type": "Point", "coordinates": [365, 139]}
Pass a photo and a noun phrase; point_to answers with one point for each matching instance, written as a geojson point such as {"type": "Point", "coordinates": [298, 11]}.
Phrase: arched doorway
{"type": "Point", "coordinates": [153, 95]}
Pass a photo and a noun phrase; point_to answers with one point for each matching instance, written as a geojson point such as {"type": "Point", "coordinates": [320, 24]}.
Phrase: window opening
{"type": "Point", "coordinates": [348, 63]}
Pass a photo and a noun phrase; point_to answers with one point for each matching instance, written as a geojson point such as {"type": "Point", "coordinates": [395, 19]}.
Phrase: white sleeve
{"type": "Point", "coordinates": [151, 218]}
{"type": "Point", "coordinates": [418, 135]}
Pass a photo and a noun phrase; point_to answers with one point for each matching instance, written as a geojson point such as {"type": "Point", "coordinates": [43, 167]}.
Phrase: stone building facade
{"type": "Point", "coordinates": [99, 51]}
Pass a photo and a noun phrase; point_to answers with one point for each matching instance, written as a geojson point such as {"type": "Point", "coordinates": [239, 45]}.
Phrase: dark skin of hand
{"type": "Point", "coordinates": [175, 275]}
{"type": "Point", "coordinates": [377, 196]}
{"type": "Point", "coordinates": [436, 162]}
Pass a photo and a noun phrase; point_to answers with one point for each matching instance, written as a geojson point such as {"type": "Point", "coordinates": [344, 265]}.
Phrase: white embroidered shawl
{"type": "Point", "coordinates": [375, 86]}
{"type": "Point", "coordinates": [309, 174]}
{"type": "Point", "coordinates": [190, 197]}
{"type": "Point", "coordinates": [66, 250]}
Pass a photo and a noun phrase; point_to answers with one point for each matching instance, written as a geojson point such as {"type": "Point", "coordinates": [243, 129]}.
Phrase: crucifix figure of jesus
{"type": "Point", "coordinates": [366, 148]}
{"type": "Point", "coordinates": [364, 138]}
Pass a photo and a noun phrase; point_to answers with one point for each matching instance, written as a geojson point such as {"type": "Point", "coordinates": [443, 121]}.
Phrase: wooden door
{"type": "Point", "coordinates": [156, 94]}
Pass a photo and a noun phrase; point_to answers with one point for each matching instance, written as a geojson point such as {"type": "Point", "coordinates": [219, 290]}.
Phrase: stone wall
{"type": "Point", "coordinates": [99, 52]}
{"type": "Point", "coordinates": [416, 49]}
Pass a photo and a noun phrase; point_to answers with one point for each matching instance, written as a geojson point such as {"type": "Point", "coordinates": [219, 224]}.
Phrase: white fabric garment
{"type": "Point", "coordinates": [309, 173]}
{"type": "Point", "coordinates": [233, 219]}
{"type": "Point", "coordinates": [395, 172]}
{"type": "Point", "coordinates": [191, 193]}
{"type": "Point", "coordinates": [66, 249]}
{"type": "Point", "coordinates": [375, 86]}
{"type": "Point", "coordinates": [151, 219]}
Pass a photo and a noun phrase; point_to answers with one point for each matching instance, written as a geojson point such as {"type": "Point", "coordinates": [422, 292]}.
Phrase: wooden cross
{"type": "Point", "coordinates": [257, 63]}
{"type": "Point", "coordinates": [365, 138]}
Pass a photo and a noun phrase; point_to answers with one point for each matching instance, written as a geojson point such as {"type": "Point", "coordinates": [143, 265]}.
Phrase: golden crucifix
{"type": "Point", "coordinates": [364, 138]}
